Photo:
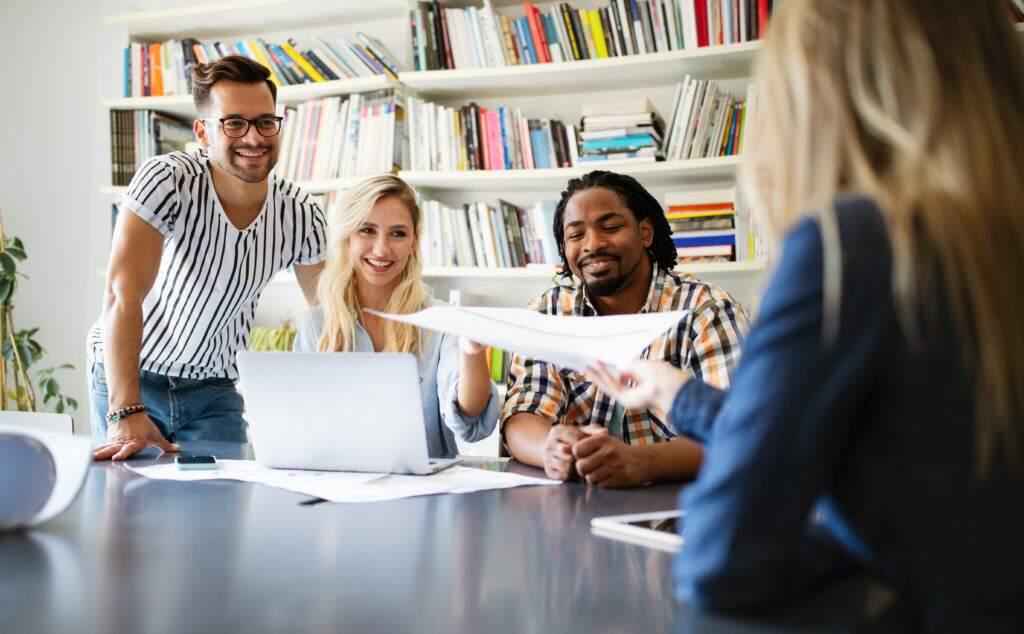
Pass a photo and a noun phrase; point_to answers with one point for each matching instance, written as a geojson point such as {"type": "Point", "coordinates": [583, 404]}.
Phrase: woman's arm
{"type": "Point", "coordinates": [467, 397]}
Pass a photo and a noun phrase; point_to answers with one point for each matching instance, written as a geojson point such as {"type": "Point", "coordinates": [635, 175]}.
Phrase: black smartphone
{"type": "Point", "coordinates": [189, 463]}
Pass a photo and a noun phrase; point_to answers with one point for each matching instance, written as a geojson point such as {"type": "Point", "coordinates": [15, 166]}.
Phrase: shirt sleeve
{"type": "Point", "coordinates": [694, 410]}
{"type": "Point", "coordinates": [308, 337]}
{"type": "Point", "coordinates": [777, 439]}
{"type": "Point", "coordinates": [448, 371]}
{"type": "Point", "coordinates": [716, 332]}
{"type": "Point", "coordinates": [313, 239]}
{"type": "Point", "coordinates": [152, 195]}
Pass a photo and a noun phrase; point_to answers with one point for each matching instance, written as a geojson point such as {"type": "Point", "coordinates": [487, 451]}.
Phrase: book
{"type": "Point", "coordinates": [482, 234]}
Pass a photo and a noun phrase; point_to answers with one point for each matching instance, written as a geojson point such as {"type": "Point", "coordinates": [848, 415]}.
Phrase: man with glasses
{"type": "Point", "coordinates": [204, 234]}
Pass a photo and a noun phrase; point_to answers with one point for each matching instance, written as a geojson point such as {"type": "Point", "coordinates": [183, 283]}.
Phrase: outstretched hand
{"type": "Point", "coordinates": [129, 436]}
{"type": "Point", "coordinates": [645, 385]}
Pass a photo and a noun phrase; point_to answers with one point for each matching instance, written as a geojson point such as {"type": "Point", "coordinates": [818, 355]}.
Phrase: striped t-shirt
{"type": "Point", "coordinates": [200, 310]}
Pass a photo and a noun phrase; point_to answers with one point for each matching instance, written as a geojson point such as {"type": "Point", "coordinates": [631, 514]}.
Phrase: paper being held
{"type": "Point", "coordinates": [570, 342]}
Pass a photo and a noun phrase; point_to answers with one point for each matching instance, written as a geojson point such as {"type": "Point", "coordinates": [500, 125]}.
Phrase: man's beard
{"type": "Point", "coordinates": [224, 161]}
{"type": "Point", "coordinates": [608, 285]}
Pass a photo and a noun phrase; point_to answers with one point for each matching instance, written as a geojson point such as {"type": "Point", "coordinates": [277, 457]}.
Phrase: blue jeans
{"type": "Point", "coordinates": [182, 409]}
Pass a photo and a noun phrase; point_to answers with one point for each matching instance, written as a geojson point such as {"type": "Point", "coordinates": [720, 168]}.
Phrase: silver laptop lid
{"type": "Point", "coordinates": [339, 411]}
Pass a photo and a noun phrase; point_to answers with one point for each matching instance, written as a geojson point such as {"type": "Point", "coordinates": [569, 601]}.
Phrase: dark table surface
{"type": "Point", "coordinates": [140, 555]}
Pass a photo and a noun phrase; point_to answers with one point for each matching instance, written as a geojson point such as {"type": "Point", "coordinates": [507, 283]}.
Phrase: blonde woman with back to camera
{"type": "Point", "coordinates": [373, 263]}
{"type": "Point", "coordinates": [882, 386]}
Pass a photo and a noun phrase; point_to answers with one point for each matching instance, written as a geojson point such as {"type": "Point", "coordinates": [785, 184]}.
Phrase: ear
{"type": "Point", "coordinates": [199, 129]}
{"type": "Point", "coordinates": [647, 232]}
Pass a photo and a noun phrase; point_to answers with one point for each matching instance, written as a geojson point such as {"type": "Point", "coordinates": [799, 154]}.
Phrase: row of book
{"type": "Point", "coordinates": [620, 132]}
{"type": "Point", "coordinates": [341, 137]}
{"type": "Point", "coordinates": [138, 135]}
{"type": "Point", "coordinates": [706, 121]}
{"type": "Point", "coordinates": [712, 226]}
{"type": "Point", "coordinates": [481, 234]}
{"type": "Point", "coordinates": [475, 138]}
{"type": "Point", "coordinates": [164, 68]}
{"type": "Point", "coordinates": [446, 37]}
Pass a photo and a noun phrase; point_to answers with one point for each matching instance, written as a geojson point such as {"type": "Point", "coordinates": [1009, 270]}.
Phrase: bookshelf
{"type": "Point", "coordinates": [183, 107]}
{"type": "Point", "coordinates": [546, 273]}
{"type": "Point", "coordinates": [231, 17]}
{"type": "Point", "coordinates": [726, 62]}
{"type": "Point", "coordinates": [541, 89]}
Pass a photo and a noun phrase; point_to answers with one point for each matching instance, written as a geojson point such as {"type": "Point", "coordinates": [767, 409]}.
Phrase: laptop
{"type": "Point", "coordinates": [337, 411]}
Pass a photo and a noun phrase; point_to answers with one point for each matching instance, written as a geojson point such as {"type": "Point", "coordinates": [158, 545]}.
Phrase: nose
{"type": "Point", "coordinates": [253, 137]}
{"type": "Point", "coordinates": [594, 242]}
{"type": "Point", "coordinates": [380, 245]}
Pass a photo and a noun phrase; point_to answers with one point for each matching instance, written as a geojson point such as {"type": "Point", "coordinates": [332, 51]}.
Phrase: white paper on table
{"type": "Point", "coordinates": [72, 456]}
{"type": "Point", "coordinates": [569, 341]}
{"type": "Point", "coordinates": [339, 486]}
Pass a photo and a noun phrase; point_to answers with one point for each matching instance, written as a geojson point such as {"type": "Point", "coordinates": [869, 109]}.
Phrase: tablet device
{"type": "Point", "coordinates": [658, 529]}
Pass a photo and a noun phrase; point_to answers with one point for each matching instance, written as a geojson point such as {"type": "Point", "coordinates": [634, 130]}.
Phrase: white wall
{"type": "Point", "coordinates": [52, 161]}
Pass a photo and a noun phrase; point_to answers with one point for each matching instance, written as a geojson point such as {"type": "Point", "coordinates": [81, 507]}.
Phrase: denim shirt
{"type": "Point", "coordinates": [438, 367]}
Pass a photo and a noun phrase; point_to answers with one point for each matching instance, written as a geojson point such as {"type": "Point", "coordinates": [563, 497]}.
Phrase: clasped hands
{"type": "Point", "coordinates": [590, 452]}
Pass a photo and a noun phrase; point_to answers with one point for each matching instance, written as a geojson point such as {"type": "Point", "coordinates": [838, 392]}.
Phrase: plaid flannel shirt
{"type": "Point", "coordinates": [706, 341]}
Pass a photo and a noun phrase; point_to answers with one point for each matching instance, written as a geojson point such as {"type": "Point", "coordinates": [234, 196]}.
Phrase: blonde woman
{"type": "Point", "coordinates": [372, 262]}
{"type": "Point", "coordinates": [883, 383]}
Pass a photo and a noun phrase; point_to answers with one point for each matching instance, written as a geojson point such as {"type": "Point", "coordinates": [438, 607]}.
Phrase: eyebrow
{"type": "Point", "coordinates": [242, 116]}
{"type": "Point", "coordinates": [607, 216]}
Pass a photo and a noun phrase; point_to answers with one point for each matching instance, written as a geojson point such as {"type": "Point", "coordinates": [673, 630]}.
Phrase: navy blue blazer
{"type": "Point", "coordinates": [853, 451]}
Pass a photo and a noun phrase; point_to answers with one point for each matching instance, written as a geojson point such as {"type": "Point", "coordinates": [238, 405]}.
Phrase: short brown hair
{"type": "Point", "coordinates": [231, 67]}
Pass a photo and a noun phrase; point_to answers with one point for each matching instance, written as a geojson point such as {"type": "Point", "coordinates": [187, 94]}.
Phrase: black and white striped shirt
{"type": "Point", "coordinates": [200, 310]}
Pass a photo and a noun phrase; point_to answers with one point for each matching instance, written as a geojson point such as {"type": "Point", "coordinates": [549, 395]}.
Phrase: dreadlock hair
{"type": "Point", "coordinates": [635, 198]}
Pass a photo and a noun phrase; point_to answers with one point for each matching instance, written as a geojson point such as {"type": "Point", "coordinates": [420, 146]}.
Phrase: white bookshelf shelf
{"type": "Point", "coordinates": [664, 173]}
{"type": "Point", "coordinates": [231, 17]}
{"type": "Point", "coordinates": [719, 62]}
{"type": "Point", "coordinates": [182, 105]}
{"type": "Point", "coordinates": [545, 273]}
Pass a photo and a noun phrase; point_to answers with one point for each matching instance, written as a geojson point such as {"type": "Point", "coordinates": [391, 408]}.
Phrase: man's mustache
{"type": "Point", "coordinates": [593, 256]}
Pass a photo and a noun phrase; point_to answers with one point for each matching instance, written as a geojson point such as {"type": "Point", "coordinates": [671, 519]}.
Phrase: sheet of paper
{"type": "Point", "coordinates": [72, 456]}
{"type": "Point", "coordinates": [571, 342]}
{"type": "Point", "coordinates": [338, 486]}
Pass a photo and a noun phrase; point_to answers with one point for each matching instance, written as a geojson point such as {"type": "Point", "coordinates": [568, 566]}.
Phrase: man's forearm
{"type": "Point", "coordinates": [122, 339]}
{"type": "Point", "coordinates": [678, 459]}
{"type": "Point", "coordinates": [525, 435]}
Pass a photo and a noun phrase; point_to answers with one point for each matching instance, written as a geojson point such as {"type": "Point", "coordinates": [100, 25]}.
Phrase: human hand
{"type": "Point", "coordinates": [558, 458]}
{"type": "Point", "coordinates": [654, 383]}
{"type": "Point", "coordinates": [608, 462]}
{"type": "Point", "coordinates": [131, 435]}
{"type": "Point", "coordinates": [468, 346]}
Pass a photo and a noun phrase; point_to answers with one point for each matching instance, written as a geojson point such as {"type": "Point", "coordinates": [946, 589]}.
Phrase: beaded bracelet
{"type": "Point", "coordinates": [124, 412]}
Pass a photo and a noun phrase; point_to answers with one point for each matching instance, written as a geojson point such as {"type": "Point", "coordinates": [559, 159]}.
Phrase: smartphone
{"type": "Point", "coordinates": [191, 463]}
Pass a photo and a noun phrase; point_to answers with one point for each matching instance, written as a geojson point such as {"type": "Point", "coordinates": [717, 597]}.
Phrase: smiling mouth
{"type": "Point", "coordinates": [379, 266]}
{"type": "Point", "coordinates": [597, 265]}
{"type": "Point", "coordinates": [249, 154]}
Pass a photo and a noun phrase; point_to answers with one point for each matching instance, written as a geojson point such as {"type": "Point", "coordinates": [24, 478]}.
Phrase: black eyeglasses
{"type": "Point", "coordinates": [238, 127]}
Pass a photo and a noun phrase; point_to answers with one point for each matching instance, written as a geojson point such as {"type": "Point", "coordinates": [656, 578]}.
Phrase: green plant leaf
{"type": "Point", "coordinates": [65, 366]}
{"type": "Point", "coordinates": [17, 242]}
{"type": "Point", "coordinates": [16, 253]}
{"type": "Point", "coordinates": [6, 290]}
{"type": "Point", "coordinates": [60, 407]}
{"type": "Point", "coordinates": [7, 263]}
{"type": "Point", "coordinates": [52, 388]}
{"type": "Point", "coordinates": [28, 355]}
{"type": "Point", "coordinates": [72, 402]}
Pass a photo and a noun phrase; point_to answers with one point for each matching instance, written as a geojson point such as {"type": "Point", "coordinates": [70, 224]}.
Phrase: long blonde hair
{"type": "Point", "coordinates": [336, 289]}
{"type": "Point", "coordinates": [918, 105]}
